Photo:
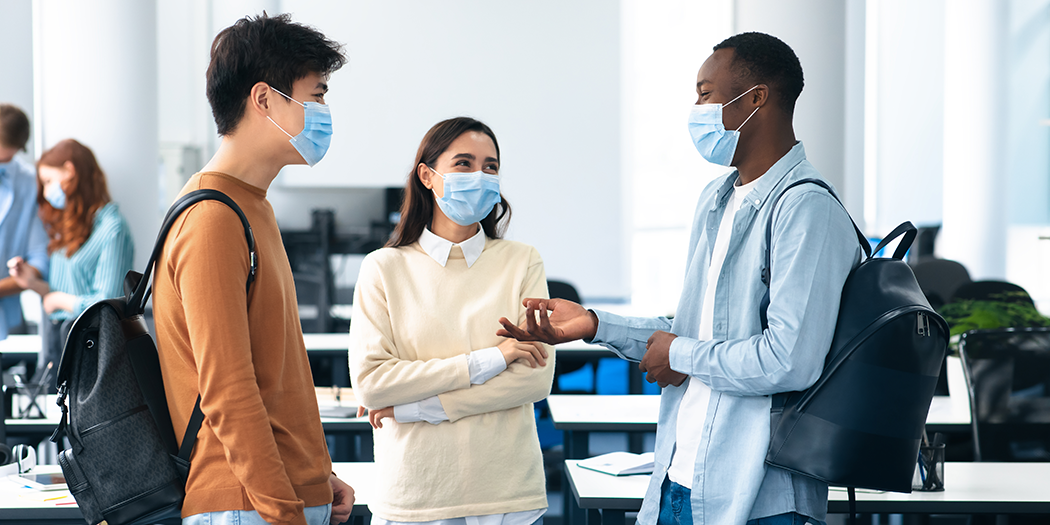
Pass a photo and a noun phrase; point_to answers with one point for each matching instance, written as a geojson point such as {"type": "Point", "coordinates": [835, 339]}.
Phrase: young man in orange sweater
{"type": "Point", "coordinates": [260, 454]}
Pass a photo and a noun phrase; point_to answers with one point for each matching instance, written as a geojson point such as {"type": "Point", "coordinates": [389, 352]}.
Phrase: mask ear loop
{"type": "Point", "coordinates": [293, 100]}
{"type": "Point", "coordinates": [748, 118]}
{"type": "Point", "coordinates": [723, 105]}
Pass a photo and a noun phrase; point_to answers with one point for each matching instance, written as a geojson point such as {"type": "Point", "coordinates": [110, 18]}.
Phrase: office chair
{"type": "Point", "coordinates": [939, 279]}
{"type": "Point", "coordinates": [992, 291]}
{"type": "Point", "coordinates": [1008, 375]}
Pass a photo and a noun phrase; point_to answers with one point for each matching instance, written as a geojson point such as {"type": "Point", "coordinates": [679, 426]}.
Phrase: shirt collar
{"type": "Point", "coordinates": [438, 248]}
{"type": "Point", "coordinates": [763, 186]}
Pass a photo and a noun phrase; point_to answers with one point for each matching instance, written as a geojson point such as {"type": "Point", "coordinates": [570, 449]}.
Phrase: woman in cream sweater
{"type": "Point", "coordinates": [451, 402]}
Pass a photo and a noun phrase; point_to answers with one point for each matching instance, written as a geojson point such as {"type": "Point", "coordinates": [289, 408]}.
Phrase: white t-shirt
{"type": "Point", "coordinates": [692, 412]}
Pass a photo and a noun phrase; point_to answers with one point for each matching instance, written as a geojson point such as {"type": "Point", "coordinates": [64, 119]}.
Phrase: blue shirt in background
{"type": "Point", "coordinates": [21, 233]}
{"type": "Point", "coordinates": [96, 271]}
{"type": "Point", "coordinates": [814, 249]}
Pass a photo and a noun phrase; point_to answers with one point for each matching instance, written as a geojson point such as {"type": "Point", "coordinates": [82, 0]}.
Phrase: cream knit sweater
{"type": "Point", "coordinates": [413, 321]}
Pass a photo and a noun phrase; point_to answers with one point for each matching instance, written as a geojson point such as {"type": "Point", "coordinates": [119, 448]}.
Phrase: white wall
{"type": "Point", "coordinates": [543, 75]}
{"type": "Point", "coordinates": [16, 43]}
{"type": "Point", "coordinates": [664, 44]}
{"type": "Point", "coordinates": [816, 31]}
{"type": "Point", "coordinates": [97, 83]}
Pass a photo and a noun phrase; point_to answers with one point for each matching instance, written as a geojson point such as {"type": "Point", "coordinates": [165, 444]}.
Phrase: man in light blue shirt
{"type": "Point", "coordinates": [21, 232]}
{"type": "Point", "coordinates": [717, 364]}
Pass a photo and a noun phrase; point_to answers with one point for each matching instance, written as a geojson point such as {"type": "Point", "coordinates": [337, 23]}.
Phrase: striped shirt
{"type": "Point", "coordinates": [96, 271]}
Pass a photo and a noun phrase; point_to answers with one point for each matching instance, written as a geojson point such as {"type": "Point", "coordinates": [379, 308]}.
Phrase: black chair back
{"type": "Point", "coordinates": [1008, 373]}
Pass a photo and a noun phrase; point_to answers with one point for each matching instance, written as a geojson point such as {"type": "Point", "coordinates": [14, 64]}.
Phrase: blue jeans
{"type": "Point", "coordinates": [319, 515]}
{"type": "Point", "coordinates": [675, 509]}
{"type": "Point", "coordinates": [790, 518]}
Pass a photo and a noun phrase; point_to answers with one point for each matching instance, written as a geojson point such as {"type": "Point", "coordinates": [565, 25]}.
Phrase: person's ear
{"type": "Point", "coordinates": [424, 174]}
{"type": "Point", "coordinates": [760, 95]}
{"type": "Point", "coordinates": [259, 98]}
{"type": "Point", "coordinates": [69, 168]}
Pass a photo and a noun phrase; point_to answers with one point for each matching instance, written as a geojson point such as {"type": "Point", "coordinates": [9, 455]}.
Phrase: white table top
{"type": "Point", "coordinates": [969, 488]}
{"type": "Point", "coordinates": [635, 412]}
{"type": "Point", "coordinates": [640, 412]}
{"type": "Point", "coordinates": [18, 503]}
{"type": "Point", "coordinates": [20, 344]}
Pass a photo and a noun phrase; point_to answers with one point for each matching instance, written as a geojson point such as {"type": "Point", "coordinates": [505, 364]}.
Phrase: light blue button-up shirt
{"type": "Point", "coordinates": [21, 232]}
{"type": "Point", "coordinates": [96, 270]}
{"type": "Point", "coordinates": [814, 249]}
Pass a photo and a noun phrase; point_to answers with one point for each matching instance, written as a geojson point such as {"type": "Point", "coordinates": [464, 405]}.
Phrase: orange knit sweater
{"type": "Point", "coordinates": [261, 445]}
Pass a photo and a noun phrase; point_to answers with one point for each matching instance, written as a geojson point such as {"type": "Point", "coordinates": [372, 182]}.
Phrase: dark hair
{"type": "Point", "coordinates": [86, 193]}
{"type": "Point", "coordinates": [417, 210]}
{"type": "Point", "coordinates": [270, 49]}
{"type": "Point", "coordinates": [763, 59]}
{"type": "Point", "coordinates": [14, 127]}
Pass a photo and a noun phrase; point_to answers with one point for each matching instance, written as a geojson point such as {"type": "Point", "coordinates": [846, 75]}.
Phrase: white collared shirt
{"type": "Point", "coordinates": [438, 248]}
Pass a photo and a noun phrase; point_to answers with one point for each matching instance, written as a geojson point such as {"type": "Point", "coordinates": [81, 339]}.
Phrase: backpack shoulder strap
{"type": "Point", "coordinates": [769, 225]}
{"type": "Point", "coordinates": [766, 275]}
{"type": "Point", "coordinates": [137, 299]}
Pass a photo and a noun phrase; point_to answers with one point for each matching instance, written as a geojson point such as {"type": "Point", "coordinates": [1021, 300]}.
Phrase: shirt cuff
{"type": "Point", "coordinates": [429, 410]}
{"type": "Point", "coordinates": [485, 364]}
{"type": "Point", "coordinates": [407, 413]}
{"type": "Point", "coordinates": [680, 355]}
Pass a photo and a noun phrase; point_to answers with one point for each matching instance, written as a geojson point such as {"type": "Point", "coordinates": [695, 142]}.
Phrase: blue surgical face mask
{"type": "Point", "coordinates": [313, 141]}
{"type": "Point", "coordinates": [55, 196]}
{"type": "Point", "coordinates": [469, 197]}
{"type": "Point", "coordinates": [712, 140]}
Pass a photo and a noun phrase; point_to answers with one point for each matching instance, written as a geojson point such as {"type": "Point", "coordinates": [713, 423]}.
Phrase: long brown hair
{"type": "Point", "coordinates": [417, 210]}
{"type": "Point", "coordinates": [86, 193]}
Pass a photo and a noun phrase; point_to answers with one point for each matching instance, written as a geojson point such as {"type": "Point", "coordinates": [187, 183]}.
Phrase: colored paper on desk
{"type": "Point", "coordinates": [620, 463]}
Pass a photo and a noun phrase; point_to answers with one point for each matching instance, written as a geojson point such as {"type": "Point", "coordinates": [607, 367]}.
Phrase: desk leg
{"type": "Point", "coordinates": [635, 442]}
{"type": "Point", "coordinates": [577, 445]}
{"type": "Point", "coordinates": [594, 517]}
{"type": "Point", "coordinates": [613, 517]}
{"type": "Point", "coordinates": [367, 447]}
{"type": "Point", "coordinates": [634, 378]}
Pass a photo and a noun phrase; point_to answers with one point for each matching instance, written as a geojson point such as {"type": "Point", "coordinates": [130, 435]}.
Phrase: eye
{"type": "Point", "coordinates": [463, 162]}
{"type": "Point", "coordinates": [494, 168]}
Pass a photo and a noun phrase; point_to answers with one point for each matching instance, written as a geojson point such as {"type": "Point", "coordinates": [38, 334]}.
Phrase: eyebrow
{"type": "Point", "coordinates": [472, 157]}
{"type": "Point", "coordinates": [322, 86]}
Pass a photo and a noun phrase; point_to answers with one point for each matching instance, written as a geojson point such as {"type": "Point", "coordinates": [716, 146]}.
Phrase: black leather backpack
{"type": "Point", "coordinates": [861, 423]}
{"type": "Point", "coordinates": [124, 466]}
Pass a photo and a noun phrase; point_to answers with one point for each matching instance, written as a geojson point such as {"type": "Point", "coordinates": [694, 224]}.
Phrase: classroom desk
{"type": "Point", "coordinates": [19, 506]}
{"type": "Point", "coordinates": [970, 488]}
{"type": "Point", "coordinates": [344, 429]}
{"type": "Point", "coordinates": [579, 415]}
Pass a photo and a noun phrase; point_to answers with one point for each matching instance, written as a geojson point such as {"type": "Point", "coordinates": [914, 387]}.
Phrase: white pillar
{"type": "Point", "coordinates": [97, 83]}
{"type": "Point", "coordinates": [16, 43]}
{"type": "Point", "coordinates": [974, 230]}
{"type": "Point", "coordinates": [816, 31]}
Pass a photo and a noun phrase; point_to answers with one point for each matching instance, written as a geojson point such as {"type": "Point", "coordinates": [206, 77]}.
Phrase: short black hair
{"type": "Point", "coordinates": [270, 49]}
{"type": "Point", "coordinates": [764, 59]}
{"type": "Point", "coordinates": [14, 127]}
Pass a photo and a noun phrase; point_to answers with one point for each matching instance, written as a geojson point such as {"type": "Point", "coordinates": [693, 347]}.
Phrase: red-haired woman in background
{"type": "Point", "coordinates": [89, 242]}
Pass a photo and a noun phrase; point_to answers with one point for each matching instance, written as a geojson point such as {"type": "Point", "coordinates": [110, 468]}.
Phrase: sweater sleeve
{"type": "Point", "coordinates": [519, 383]}
{"type": "Point", "coordinates": [379, 377]}
{"type": "Point", "coordinates": [209, 258]}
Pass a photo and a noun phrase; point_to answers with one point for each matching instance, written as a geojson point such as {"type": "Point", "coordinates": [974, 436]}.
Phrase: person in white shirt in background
{"type": "Point", "coordinates": [458, 445]}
